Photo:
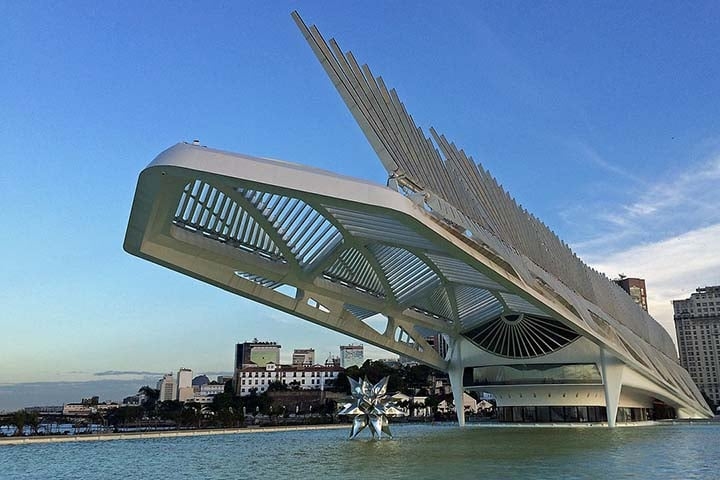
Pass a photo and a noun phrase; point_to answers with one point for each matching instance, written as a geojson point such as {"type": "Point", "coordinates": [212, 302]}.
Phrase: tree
{"type": "Point", "coordinates": [32, 419]}
{"type": "Point", "coordinates": [257, 403]}
{"type": "Point", "coordinates": [124, 415]}
{"type": "Point", "coordinates": [277, 386]}
{"type": "Point", "coordinates": [170, 410]}
{"type": "Point", "coordinates": [416, 376]}
{"type": "Point", "coordinates": [95, 418]}
{"type": "Point", "coordinates": [191, 414]}
{"type": "Point", "coordinates": [18, 421]}
{"type": "Point", "coordinates": [229, 387]}
{"type": "Point", "coordinates": [432, 402]}
{"type": "Point", "coordinates": [152, 395]}
{"type": "Point", "coordinates": [227, 409]}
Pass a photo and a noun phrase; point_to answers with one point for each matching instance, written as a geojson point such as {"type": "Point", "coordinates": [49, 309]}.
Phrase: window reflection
{"type": "Point", "coordinates": [533, 374]}
{"type": "Point", "coordinates": [591, 414]}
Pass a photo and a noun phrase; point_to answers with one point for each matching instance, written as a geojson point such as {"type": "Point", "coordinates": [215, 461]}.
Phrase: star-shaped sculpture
{"type": "Point", "coordinates": [370, 407]}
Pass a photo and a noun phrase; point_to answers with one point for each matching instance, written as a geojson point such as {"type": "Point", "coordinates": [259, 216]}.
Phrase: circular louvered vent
{"type": "Point", "coordinates": [519, 335]}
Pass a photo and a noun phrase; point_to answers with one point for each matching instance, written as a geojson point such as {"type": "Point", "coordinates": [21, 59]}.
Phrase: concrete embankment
{"type": "Point", "coordinates": [93, 437]}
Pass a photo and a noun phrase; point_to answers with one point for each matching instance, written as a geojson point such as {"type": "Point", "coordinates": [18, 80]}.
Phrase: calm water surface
{"type": "Point", "coordinates": [417, 451]}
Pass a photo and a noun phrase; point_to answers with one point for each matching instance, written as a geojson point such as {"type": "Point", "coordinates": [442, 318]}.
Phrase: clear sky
{"type": "Point", "coordinates": [601, 118]}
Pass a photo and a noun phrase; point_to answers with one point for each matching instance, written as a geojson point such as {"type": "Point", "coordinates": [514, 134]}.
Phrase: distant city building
{"type": "Point", "coordinates": [351, 355]}
{"type": "Point", "coordinates": [256, 353]}
{"type": "Point", "coordinates": [302, 377]}
{"type": "Point", "coordinates": [635, 287]}
{"type": "Point", "coordinates": [438, 343]}
{"type": "Point", "coordinates": [184, 385]}
{"type": "Point", "coordinates": [86, 409]}
{"type": "Point", "coordinates": [210, 389]}
{"type": "Point", "coordinates": [46, 409]}
{"type": "Point", "coordinates": [332, 361]}
{"type": "Point", "coordinates": [303, 356]}
{"type": "Point", "coordinates": [131, 401]}
{"type": "Point", "coordinates": [166, 386]}
{"type": "Point", "coordinates": [200, 380]}
{"type": "Point", "coordinates": [697, 325]}
{"type": "Point", "coordinates": [206, 392]}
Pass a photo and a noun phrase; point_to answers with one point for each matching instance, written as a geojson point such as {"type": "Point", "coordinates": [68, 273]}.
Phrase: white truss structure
{"type": "Point", "coordinates": [442, 250]}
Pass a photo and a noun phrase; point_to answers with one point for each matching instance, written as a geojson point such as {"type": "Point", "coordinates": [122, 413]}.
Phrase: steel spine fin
{"type": "Point", "coordinates": [442, 170]}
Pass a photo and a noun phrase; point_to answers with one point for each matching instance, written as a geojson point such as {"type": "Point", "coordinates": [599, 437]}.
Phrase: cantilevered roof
{"type": "Point", "coordinates": [443, 249]}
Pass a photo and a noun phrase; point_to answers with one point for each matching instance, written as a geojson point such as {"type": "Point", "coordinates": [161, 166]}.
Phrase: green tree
{"type": "Point", "coordinates": [19, 419]}
{"type": "Point", "coordinates": [432, 402]}
{"type": "Point", "coordinates": [277, 386]}
{"type": "Point", "coordinates": [33, 420]}
{"type": "Point", "coordinates": [124, 415]}
{"type": "Point", "coordinates": [170, 410]}
{"type": "Point", "coordinates": [257, 402]}
{"type": "Point", "coordinates": [193, 413]}
{"type": "Point", "coordinates": [152, 395]}
{"type": "Point", "coordinates": [227, 410]}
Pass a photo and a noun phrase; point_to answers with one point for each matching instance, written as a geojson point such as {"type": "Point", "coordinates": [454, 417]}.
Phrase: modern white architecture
{"type": "Point", "coordinates": [442, 249]}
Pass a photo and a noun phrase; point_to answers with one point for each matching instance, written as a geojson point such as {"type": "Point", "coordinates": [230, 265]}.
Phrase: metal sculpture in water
{"type": "Point", "coordinates": [371, 407]}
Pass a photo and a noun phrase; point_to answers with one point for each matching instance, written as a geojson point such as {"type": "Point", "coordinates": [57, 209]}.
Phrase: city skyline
{"type": "Point", "coordinates": [620, 157]}
{"type": "Point", "coordinates": [114, 385]}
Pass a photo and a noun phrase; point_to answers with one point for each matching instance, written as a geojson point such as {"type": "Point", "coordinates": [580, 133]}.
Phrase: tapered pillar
{"type": "Point", "coordinates": [455, 372]}
{"type": "Point", "coordinates": [612, 371]}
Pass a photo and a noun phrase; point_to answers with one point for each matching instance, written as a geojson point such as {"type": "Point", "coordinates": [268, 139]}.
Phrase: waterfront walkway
{"type": "Point", "coordinates": [91, 437]}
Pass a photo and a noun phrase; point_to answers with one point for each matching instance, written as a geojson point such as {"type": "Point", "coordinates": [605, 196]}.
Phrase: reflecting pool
{"type": "Point", "coordinates": [417, 451]}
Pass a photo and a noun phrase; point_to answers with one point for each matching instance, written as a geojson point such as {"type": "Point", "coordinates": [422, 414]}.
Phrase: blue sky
{"type": "Point", "coordinates": [601, 118]}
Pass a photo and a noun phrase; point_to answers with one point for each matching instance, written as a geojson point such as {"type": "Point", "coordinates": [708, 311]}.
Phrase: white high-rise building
{"type": "Point", "coordinates": [351, 355]}
{"type": "Point", "coordinates": [166, 386]}
{"type": "Point", "coordinates": [697, 324]}
{"type": "Point", "coordinates": [184, 385]}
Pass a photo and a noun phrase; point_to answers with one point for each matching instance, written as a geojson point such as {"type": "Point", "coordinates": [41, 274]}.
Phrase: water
{"type": "Point", "coordinates": [417, 451]}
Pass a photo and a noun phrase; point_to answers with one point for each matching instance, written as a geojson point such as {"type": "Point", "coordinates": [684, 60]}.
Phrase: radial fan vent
{"type": "Point", "coordinates": [519, 335]}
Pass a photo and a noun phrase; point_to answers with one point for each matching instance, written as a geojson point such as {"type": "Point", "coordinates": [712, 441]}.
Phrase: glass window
{"type": "Point", "coordinates": [542, 414]}
{"type": "Point", "coordinates": [529, 414]}
{"type": "Point", "coordinates": [557, 414]}
{"type": "Point", "coordinates": [571, 414]}
{"type": "Point", "coordinates": [533, 374]}
{"type": "Point", "coordinates": [582, 414]}
{"type": "Point", "coordinates": [517, 413]}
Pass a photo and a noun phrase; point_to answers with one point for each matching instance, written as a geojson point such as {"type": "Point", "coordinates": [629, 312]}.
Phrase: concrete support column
{"type": "Point", "coordinates": [455, 372]}
{"type": "Point", "coordinates": [612, 371]}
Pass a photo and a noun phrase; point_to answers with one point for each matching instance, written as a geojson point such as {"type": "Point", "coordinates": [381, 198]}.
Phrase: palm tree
{"type": "Point", "coordinates": [18, 421]}
{"type": "Point", "coordinates": [197, 411]}
{"type": "Point", "coordinates": [33, 420]}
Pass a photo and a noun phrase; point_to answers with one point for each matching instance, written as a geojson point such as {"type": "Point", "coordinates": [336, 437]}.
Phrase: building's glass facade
{"type": "Point", "coordinates": [541, 414]}
{"type": "Point", "coordinates": [533, 374]}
